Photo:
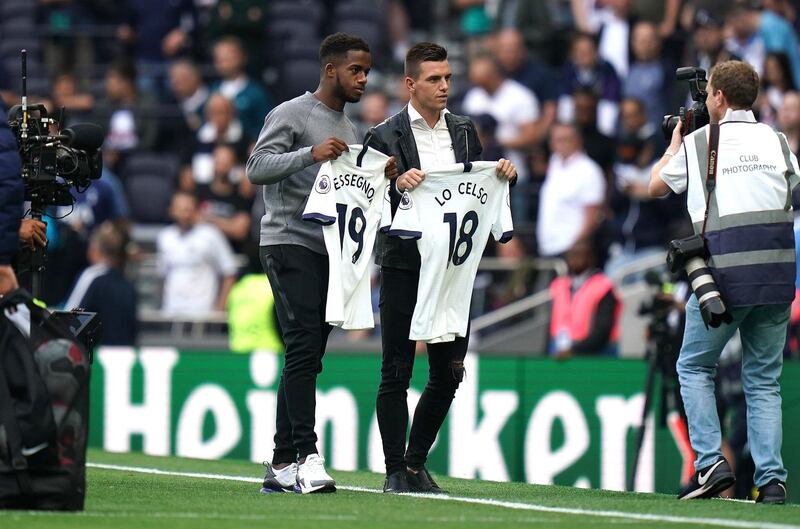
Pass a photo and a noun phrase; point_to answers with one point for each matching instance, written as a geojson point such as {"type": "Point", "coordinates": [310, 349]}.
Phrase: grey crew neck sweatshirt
{"type": "Point", "coordinates": [282, 162]}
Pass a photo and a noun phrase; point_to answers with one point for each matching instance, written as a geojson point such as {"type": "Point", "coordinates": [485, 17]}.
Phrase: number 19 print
{"type": "Point", "coordinates": [348, 200]}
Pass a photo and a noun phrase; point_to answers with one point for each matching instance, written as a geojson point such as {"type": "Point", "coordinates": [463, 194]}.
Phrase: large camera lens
{"type": "Point", "coordinates": [712, 308]}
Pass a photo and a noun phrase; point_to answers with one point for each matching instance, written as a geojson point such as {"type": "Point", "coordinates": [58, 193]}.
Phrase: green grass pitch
{"type": "Point", "coordinates": [131, 498]}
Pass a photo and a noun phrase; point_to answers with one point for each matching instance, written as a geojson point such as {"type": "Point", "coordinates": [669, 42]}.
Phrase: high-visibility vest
{"type": "Point", "coordinates": [749, 233]}
{"type": "Point", "coordinates": [250, 321]}
{"type": "Point", "coordinates": [575, 313]}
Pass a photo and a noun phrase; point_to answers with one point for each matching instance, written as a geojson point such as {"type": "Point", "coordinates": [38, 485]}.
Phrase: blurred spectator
{"type": "Point", "coordinates": [775, 82]}
{"type": "Point", "coordinates": [486, 128]}
{"type": "Point", "coordinates": [536, 76]}
{"type": "Point", "coordinates": [586, 69]}
{"type": "Point", "coordinates": [663, 14]}
{"type": "Point", "coordinates": [189, 91]}
{"type": "Point", "coordinates": [641, 224]}
{"type": "Point", "coordinates": [546, 26]}
{"type": "Point", "coordinates": [572, 195]}
{"type": "Point", "coordinates": [65, 94]}
{"type": "Point", "coordinates": [65, 45]}
{"type": "Point", "coordinates": [610, 21]}
{"type": "Point", "coordinates": [245, 19]}
{"type": "Point", "coordinates": [649, 78]}
{"type": "Point", "coordinates": [192, 258]}
{"type": "Point", "coordinates": [757, 32]}
{"type": "Point", "coordinates": [157, 31]}
{"type": "Point", "coordinates": [103, 201]}
{"type": "Point", "coordinates": [103, 288]}
{"type": "Point", "coordinates": [374, 110]}
{"type": "Point", "coordinates": [516, 111]}
{"type": "Point", "coordinates": [252, 320]}
{"type": "Point", "coordinates": [220, 201]}
{"type": "Point", "coordinates": [475, 17]}
{"type": "Point", "coordinates": [251, 100]}
{"type": "Point", "coordinates": [586, 310]}
{"type": "Point", "coordinates": [597, 145]}
{"type": "Point", "coordinates": [222, 127]}
{"type": "Point", "coordinates": [708, 40]}
{"type": "Point", "coordinates": [789, 120]}
{"type": "Point", "coordinates": [128, 116]}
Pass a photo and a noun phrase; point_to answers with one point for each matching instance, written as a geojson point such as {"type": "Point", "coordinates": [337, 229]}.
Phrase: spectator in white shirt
{"type": "Point", "coordinates": [572, 194]}
{"type": "Point", "coordinates": [516, 110]}
{"type": "Point", "coordinates": [192, 258]}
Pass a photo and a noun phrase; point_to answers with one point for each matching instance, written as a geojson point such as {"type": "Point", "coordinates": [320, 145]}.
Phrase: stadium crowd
{"type": "Point", "coordinates": [573, 92]}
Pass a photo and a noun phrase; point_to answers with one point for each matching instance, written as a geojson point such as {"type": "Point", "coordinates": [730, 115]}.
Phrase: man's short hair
{"type": "Point", "coordinates": [738, 81]}
{"type": "Point", "coordinates": [423, 52]}
{"type": "Point", "coordinates": [336, 46]}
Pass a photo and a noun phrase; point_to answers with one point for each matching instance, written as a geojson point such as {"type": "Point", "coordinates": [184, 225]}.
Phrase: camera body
{"type": "Point", "coordinates": [690, 254]}
{"type": "Point", "coordinates": [54, 163]}
{"type": "Point", "coordinates": [696, 116]}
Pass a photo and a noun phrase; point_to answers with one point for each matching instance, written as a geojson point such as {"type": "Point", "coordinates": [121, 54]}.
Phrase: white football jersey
{"type": "Point", "coordinates": [349, 199]}
{"type": "Point", "coordinates": [451, 214]}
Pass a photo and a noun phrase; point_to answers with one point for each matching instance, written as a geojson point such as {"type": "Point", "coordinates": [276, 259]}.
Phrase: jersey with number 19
{"type": "Point", "coordinates": [451, 214]}
{"type": "Point", "coordinates": [349, 200]}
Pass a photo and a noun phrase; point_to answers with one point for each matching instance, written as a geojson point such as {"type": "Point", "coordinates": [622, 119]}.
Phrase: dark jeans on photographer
{"type": "Point", "coordinates": [299, 281]}
{"type": "Point", "coordinates": [446, 362]}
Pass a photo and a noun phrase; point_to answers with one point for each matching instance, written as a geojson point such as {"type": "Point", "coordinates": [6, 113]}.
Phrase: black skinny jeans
{"type": "Point", "coordinates": [446, 370]}
{"type": "Point", "coordinates": [299, 281]}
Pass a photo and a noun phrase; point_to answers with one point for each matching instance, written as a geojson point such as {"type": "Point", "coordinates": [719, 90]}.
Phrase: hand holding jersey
{"type": "Point", "coordinates": [451, 214]}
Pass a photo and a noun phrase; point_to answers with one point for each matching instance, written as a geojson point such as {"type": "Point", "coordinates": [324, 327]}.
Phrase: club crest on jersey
{"type": "Point", "coordinates": [405, 201]}
{"type": "Point", "coordinates": [323, 184]}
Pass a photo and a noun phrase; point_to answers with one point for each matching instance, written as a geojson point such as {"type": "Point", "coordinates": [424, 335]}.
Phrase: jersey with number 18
{"type": "Point", "coordinates": [349, 200]}
{"type": "Point", "coordinates": [451, 213]}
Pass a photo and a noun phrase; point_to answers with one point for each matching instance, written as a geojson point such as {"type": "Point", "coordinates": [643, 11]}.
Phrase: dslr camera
{"type": "Point", "coordinates": [696, 116]}
{"type": "Point", "coordinates": [690, 254]}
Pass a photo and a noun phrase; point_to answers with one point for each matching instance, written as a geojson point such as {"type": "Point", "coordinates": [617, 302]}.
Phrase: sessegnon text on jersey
{"type": "Point", "coordinates": [357, 181]}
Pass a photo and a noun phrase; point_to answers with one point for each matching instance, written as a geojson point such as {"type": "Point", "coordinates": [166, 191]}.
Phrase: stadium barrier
{"type": "Point", "coordinates": [513, 419]}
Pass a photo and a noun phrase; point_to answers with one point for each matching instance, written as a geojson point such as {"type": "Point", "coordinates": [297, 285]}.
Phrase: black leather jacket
{"type": "Point", "coordinates": [393, 137]}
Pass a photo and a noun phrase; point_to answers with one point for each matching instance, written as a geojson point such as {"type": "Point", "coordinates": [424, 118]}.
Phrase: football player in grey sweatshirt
{"type": "Point", "coordinates": [297, 137]}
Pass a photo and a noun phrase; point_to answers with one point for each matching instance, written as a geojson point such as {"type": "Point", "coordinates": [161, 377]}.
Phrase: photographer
{"type": "Point", "coordinates": [11, 197]}
{"type": "Point", "coordinates": [739, 182]}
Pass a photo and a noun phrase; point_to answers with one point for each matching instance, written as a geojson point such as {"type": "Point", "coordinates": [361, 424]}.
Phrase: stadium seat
{"type": "Point", "coordinates": [17, 9]}
{"type": "Point", "coordinates": [149, 181]}
{"type": "Point", "coordinates": [309, 11]}
{"type": "Point", "coordinates": [296, 76]}
{"type": "Point", "coordinates": [368, 30]}
{"type": "Point", "coordinates": [359, 11]}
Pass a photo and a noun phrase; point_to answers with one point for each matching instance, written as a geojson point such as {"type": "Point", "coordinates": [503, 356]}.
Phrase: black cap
{"type": "Point", "coordinates": [704, 18]}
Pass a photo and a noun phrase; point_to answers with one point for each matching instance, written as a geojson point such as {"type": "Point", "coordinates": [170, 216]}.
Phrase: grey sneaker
{"type": "Point", "coordinates": [283, 480]}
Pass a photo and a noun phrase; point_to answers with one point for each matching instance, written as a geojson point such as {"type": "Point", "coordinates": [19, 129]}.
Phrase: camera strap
{"type": "Point", "coordinates": [711, 169]}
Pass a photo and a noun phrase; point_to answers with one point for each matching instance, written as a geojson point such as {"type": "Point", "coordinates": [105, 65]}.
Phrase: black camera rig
{"type": "Point", "coordinates": [696, 116]}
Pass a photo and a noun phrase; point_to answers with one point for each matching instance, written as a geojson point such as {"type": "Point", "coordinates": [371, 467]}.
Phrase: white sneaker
{"type": "Point", "coordinates": [283, 480]}
{"type": "Point", "coordinates": [311, 476]}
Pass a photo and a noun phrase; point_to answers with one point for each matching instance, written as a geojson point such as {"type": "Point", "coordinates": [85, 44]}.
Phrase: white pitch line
{"type": "Point", "coordinates": [720, 522]}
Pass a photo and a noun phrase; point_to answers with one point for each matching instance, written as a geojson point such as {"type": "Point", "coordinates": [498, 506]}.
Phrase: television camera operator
{"type": "Point", "coordinates": [738, 175]}
{"type": "Point", "coordinates": [11, 198]}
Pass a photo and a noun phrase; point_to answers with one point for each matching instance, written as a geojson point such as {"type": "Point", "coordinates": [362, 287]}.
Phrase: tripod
{"type": "Point", "coordinates": [662, 353]}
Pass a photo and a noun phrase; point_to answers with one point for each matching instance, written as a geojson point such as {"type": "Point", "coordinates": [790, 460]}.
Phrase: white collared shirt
{"type": "Point", "coordinates": [434, 145]}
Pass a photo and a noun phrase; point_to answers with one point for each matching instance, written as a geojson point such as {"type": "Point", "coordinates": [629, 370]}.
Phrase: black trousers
{"type": "Point", "coordinates": [299, 281]}
{"type": "Point", "coordinates": [446, 370]}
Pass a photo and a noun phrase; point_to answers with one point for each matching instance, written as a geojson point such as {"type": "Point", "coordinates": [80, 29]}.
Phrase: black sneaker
{"type": "Point", "coordinates": [709, 481]}
{"type": "Point", "coordinates": [421, 481]}
{"type": "Point", "coordinates": [773, 492]}
{"type": "Point", "coordinates": [396, 483]}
